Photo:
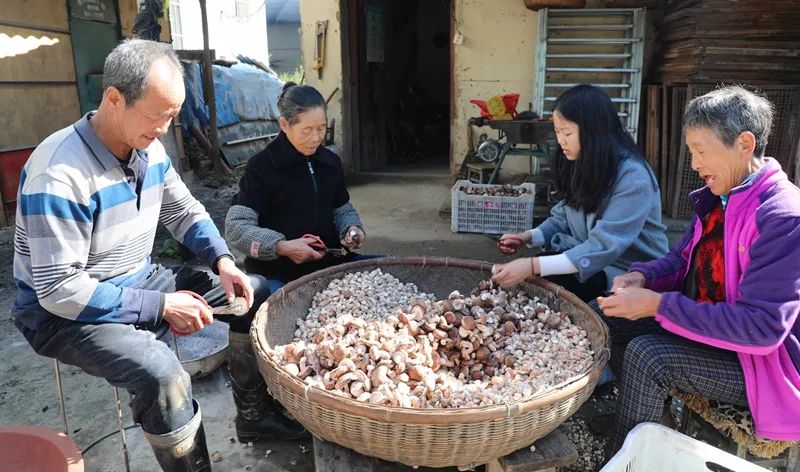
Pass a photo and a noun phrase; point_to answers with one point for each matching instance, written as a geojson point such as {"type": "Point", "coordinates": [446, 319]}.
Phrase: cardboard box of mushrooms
{"type": "Point", "coordinates": [371, 337]}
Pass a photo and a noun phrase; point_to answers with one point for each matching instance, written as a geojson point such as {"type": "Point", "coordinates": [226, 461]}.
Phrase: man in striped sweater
{"type": "Point", "coordinates": [90, 199]}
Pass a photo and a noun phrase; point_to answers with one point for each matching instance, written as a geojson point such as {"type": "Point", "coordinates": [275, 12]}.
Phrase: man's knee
{"type": "Point", "coordinates": [165, 378]}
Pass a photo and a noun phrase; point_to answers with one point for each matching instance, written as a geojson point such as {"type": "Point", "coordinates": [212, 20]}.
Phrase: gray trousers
{"type": "Point", "coordinates": [134, 359]}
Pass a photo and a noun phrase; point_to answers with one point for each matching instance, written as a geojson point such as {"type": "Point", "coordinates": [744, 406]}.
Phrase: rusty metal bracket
{"type": "Point", "coordinates": [319, 47]}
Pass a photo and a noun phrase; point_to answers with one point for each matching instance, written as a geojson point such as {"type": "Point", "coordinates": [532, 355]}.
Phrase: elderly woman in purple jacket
{"type": "Point", "coordinates": [717, 316]}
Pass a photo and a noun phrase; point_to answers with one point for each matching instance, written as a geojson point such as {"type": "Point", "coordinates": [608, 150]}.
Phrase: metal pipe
{"type": "Point", "coordinates": [589, 56]}
{"type": "Point", "coordinates": [589, 69]}
{"type": "Point", "coordinates": [208, 81]}
{"type": "Point", "coordinates": [590, 27]}
{"type": "Point", "coordinates": [620, 114]}
{"type": "Point", "coordinates": [177, 351]}
{"type": "Point", "coordinates": [590, 11]}
{"type": "Point", "coordinates": [247, 140]}
{"type": "Point", "coordinates": [567, 85]}
{"type": "Point", "coordinates": [328, 100]}
{"type": "Point", "coordinates": [613, 100]}
{"type": "Point", "coordinates": [592, 40]}
{"type": "Point", "coordinates": [61, 397]}
{"type": "Point", "coordinates": [125, 455]}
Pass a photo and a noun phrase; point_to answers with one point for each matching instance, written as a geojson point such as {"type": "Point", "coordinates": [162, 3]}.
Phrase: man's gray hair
{"type": "Point", "coordinates": [730, 111]}
{"type": "Point", "coordinates": [128, 66]}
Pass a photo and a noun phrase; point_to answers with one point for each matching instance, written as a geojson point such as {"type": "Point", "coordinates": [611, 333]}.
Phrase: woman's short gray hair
{"type": "Point", "coordinates": [730, 111]}
{"type": "Point", "coordinates": [128, 66]}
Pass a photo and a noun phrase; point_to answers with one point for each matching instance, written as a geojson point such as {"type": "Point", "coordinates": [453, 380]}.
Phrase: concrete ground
{"type": "Point", "coordinates": [401, 215]}
{"type": "Point", "coordinates": [405, 213]}
{"type": "Point", "coordinates": [401, 211]}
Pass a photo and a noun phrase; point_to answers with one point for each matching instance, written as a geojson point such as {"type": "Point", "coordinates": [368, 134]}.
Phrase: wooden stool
{"type": "Point", "coordinates": [553, 450]}
{"type": "Point", "coordinates": [697, 409]}
{"type": "Point", "coordinates": [479, 172]}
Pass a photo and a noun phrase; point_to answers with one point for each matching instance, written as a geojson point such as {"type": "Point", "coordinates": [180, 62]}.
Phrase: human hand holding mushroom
{"type": "Point", "coordinates": [631, 279]}
{"type": "Point", "coordinates": [631, 303]}
{"type": "Point", "coordinates": [515, 272]}
{"type": "Point", "coordinates": [353, 238]}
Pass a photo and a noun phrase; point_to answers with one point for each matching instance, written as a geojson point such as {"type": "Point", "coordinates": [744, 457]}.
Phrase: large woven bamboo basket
{"type": "Point", "coordinates": [423, 437]}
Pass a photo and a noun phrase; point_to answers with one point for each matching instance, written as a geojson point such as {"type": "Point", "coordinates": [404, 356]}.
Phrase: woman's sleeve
{"type": "Point", "coordinates": [242, 230]}
{"type": "Point", "coordinates": [619, 226]}
{"type": "Point", "coordinates": [769, 303]}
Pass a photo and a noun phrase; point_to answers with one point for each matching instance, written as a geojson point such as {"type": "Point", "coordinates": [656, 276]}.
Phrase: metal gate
{"type": "Point", "coordinates": [602, 46]}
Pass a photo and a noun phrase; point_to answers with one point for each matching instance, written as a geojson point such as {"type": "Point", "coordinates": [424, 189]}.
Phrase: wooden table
{"type": "Point", "coordinates": [551, 451]}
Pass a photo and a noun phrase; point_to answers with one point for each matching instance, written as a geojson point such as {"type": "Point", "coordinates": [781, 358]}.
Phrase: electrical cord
{"type": "Point", "coordinates": [86, 449]}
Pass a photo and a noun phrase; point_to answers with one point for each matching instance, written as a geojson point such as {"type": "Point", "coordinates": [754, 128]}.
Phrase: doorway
{"type": "Point", "coordinates": [94, 30]}
{"type": "Point", "coordinates": [397, 70]}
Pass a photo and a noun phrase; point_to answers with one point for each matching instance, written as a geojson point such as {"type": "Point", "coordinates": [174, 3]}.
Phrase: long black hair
{"type": "Point", "coordinates": [296, 99]}
{"type": "Point", "coordinates": [585, 182]}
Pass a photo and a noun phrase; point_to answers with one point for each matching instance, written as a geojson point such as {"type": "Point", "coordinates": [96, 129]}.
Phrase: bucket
{"type": "Point", "coordinates": [26, 448]}
{"type": "Point", "coordinates": [11, 163]}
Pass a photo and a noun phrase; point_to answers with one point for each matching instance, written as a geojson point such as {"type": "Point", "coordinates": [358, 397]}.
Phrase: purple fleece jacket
{"type": "Point", "coordinates": [758, 320]}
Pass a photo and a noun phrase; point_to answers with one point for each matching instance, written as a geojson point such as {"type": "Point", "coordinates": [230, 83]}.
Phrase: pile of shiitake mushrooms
{"type": "Point", "coordinates": [495, 191]}
{"type": "Point", "coordinates": [372, 338]}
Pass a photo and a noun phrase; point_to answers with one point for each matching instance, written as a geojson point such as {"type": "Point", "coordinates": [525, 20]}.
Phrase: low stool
{"type": "Point", "coordinates": [736, 422]}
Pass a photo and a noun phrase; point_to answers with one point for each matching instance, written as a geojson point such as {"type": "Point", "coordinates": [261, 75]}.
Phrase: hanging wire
{"type": "Point", "coordinates": [146, 25]}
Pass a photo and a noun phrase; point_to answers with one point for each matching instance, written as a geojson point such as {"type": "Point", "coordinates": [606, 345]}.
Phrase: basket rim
{"type": "Point", "coordinates": [551, 395]}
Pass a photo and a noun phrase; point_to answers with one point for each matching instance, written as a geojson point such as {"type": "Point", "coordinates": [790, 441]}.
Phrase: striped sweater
{"type": "Point", "coordinates": [83, 237]}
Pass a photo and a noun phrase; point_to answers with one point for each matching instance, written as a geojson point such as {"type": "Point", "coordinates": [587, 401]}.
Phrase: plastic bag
{"type": "Point", "coordinates": [499, 107]}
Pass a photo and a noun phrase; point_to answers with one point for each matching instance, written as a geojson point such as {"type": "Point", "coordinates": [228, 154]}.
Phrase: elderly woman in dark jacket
{"type": "Point", "coordinates": [717, 317]}
{"type": "Point", "coordinates": [292, 205]}
{"type": "Point", "coordinates": [292, 190]}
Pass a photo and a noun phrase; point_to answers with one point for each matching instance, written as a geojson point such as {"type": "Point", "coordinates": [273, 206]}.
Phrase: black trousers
{"type": "Point", "coordinates": [587, 291]}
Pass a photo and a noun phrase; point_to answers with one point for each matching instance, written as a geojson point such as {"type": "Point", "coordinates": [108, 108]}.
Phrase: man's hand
{"type": "Point", "coordinates": [514, 272]}
{"type": "Point", "coordinates": [298, 250]}
{"type": "Point", "coordinates": [185, 313]}
{"type": "Point", "coordinates": [353, 238]}
{"type": "Point", "coordinates": [631, 303]}
{"type": "Point", "coordinates": [629, 280]}
{"type": "Point", "coordinates": [234, 281]}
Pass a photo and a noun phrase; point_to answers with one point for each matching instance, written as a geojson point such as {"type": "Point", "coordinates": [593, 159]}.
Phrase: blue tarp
{"type": "Point", "coordinates": [243, 93]}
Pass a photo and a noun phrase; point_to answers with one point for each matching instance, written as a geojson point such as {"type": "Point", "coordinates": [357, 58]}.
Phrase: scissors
{"type": "Point", "coordinates": [238, 307]}
{"type": "Point", "coordinates": [505, 248]}
{"type": "Point", "coordinates": [320, 246]}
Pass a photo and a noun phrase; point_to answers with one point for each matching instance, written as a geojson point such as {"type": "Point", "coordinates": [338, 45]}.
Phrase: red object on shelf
{"type": "Point", "coordinates": [11, 163]}
{"type": "Point", "coordinates": [509, 102]}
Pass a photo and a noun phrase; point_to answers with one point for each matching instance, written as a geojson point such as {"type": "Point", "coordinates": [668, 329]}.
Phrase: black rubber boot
{"type": "Point", "coordinates": [258, 415]}
{"type": "Point", "coordinates": [182, 450]}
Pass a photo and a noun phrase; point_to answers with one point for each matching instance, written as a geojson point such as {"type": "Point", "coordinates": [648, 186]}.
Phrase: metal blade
{"type": "Point", "coordinates": [238, 307]}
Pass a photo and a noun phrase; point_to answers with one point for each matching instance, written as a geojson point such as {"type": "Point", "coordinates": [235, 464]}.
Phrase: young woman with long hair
{"type": "Point", "coordinates": [610, 212]}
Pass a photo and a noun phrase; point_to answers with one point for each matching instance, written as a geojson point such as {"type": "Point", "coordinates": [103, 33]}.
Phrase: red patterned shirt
{"type": "Point", "coordinates": [709, 262]}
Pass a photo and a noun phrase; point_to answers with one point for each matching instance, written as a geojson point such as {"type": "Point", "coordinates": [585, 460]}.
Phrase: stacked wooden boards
{"type": "Point", "coordinates": [742, 41]}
